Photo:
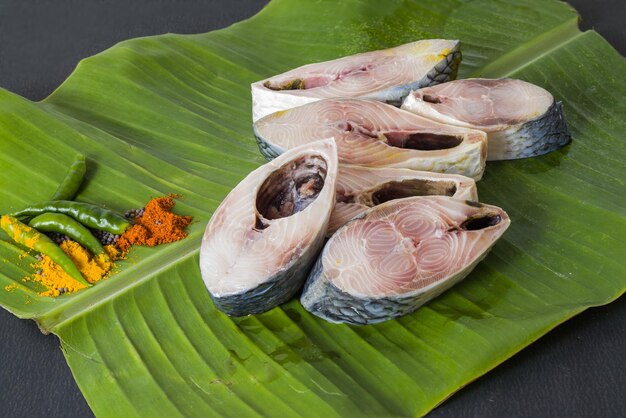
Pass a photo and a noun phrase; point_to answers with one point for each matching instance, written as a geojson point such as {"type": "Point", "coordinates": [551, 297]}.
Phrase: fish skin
{"type": "Point", "coordinates": [325, 299]}
{"type": "Point", "coordinates": [538, 136]}
{"type": "Point", "coordinates": [349, 121]}
{"type": "Point", "coordinates": [275, 291]}
{"type": "Point", "coordinates": [233, 243]}
{"type": "Point", "coordinates": [359, 184]}
{"type": "Point", "coordinates": [268, 150]}
{"type": "Point", "coordinates": [446, 70]}
{"type": "Point", "coordinates": [440, 59]}
{"type": "Point", "coordinates": [540, 130]}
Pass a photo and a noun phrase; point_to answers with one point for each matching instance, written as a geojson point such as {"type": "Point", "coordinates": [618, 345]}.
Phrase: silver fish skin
{"type": "Point", "coordinates": [387, 75]}
{"type": "Point", "coordinates": [399, 255]}
{"type": "Point", "coordinates": [261, 241]}
{"type": "Point", "coordinates": [521, 119]}
{"type": "Point", "coordinates": [360, 188]}
{"type": "Point", "coordinates": [374, 134]}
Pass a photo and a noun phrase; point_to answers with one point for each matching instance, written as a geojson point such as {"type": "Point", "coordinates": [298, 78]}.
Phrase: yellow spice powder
{"type": "Point", "coordinates": [92, 268]}
{"type": "Point", "coordinates": [10, 287]}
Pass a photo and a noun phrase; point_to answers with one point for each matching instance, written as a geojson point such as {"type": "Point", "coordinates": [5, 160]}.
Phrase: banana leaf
{"type": "Point", "coordinates": [172, 113]}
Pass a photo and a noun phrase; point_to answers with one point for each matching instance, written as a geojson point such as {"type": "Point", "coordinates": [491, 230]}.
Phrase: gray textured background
{"type": "Point", "coordinates": [576, 370]}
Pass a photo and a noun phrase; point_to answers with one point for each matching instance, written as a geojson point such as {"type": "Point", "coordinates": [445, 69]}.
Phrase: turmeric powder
{"type": "Point", "coordinates": [10, 287]}
{"type": "Point", "coordinates": [157, 225]}
{"type": "Point", "coordinates": [51, 275]}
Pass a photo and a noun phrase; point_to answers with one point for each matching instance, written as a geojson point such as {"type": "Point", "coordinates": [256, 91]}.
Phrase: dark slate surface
{"type": "Point", "coordinates": [578, 369]}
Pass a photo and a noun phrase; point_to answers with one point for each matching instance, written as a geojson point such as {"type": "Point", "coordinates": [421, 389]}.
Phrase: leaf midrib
{"type": "Point", "coordinates": [531, 51]}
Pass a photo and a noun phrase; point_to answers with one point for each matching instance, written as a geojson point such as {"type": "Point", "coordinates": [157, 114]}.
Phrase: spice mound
{"type": "Point", "coordinates": [93, 268]}
{"type": "Point", "coordinates": [157, 225]}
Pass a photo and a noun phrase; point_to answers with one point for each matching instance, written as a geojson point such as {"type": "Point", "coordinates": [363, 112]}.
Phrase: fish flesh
{"type": "Point", "coordinates": [521, 120]}
{"type": "Point", "coordinates": [387, 75]}
{"type": "Point", "coordinates": [261, 241]}
{"type": "Point", "coordinates": [375, 134]}
{"type": "Point", "coordinates": [399, 255]}
{"type": "Point", "coordinates": [360, 188]}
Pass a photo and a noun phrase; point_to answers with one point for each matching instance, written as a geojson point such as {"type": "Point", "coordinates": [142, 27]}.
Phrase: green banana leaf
{"type": "Point", "coordinates": [172, 114]}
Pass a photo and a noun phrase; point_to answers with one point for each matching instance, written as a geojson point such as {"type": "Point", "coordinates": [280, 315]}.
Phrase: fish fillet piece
{"type": "Point", "coordinates": [261, 241]}
{"type": "Point", "coordinates": [387, 75]}
{"type": "Point", "coordinates": [521, 120]}
{"type": "Point", "coordinates": [360, 188]}
{"type": "Point", "coordinates": [375, 134]}
{"type": "Point", "coordinates": [399, 255]}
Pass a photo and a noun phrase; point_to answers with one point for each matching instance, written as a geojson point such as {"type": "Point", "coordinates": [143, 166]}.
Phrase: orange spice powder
{"type": "Point", "coordinates": [157, 225]}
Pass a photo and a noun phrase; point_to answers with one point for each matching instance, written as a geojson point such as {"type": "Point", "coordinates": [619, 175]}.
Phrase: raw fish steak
{"type": "Point", "coordinates": [387, 75]}
{"type": "Point", "coordinates": [520, 119]}
{"type": "Point", "coordinates": [261, 241]}
{"type": "Point", "coordinates": [375, 134]}
{"type": "Point", "coordinates": [399, 255]}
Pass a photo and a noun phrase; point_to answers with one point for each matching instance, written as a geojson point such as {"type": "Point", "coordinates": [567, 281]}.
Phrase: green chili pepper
{"type": "Point", "coordinates": [91, 216]}
{"type": "Point", "coordinates": [72, 181]}
{"type": "Point", "coordinates": [31, 238]}
{"type": "Point", "coordinates": [63, 224]}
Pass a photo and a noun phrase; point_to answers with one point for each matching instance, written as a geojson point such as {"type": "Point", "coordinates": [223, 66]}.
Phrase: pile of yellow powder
{"type": "Point", "coordinates": [92, 268]}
